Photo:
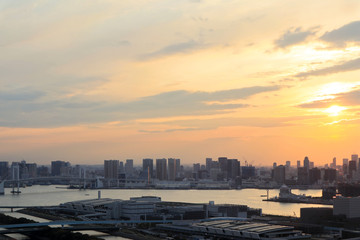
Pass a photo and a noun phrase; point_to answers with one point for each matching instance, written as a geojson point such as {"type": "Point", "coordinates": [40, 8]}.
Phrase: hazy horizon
{"type": "Point", "coordinates": [266, 81]}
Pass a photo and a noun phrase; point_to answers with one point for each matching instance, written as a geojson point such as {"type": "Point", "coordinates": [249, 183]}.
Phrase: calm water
{"type": "Point", "coordinates": [53, 195]}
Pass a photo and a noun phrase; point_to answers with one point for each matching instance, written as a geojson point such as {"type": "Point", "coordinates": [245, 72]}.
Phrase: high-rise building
{"type": "Point", "coordinates": [311, 165]}
{"type": "Point", "coordinates": [274, 165]}
{"type": "Point", "coordinates": [279, 174]}
{"type": "Point", "coordinates": [288, 164]}
{"type": "Point", "coordinates": [223, 165]}
{"type": "Point", "coordinates": [171, 169]}
{"type": "Point", "coordinates": [161, 171]}
{"type": "Point", "coordinates": [298, 164]}
{"type": "Point", "coordinates": [314, 175]}
{"type": "Point", "coordinates": [208, 164]}
{"type": "Point", "coordinates": [4, 169]}
{"type": "Point", "coordinates": [352, 168]}
{"type": "Point", "coordinates": [60, 168]}
{"type": "Point", "coordinates": [178, 167]}
{"type": "Point", "coordinates": [306, 163]}
{"type": "Point", "coordinates": [129, 167]}
{"type": "Point", "coordinates": [111, 169]}
{"type": "Point", "coordinates": [196, 167]}
{"type": "Point", "coordinates": [233, 168]}
{"type": "Point", "coordinates": [303, 176]}
{"type": "Point", "coordinates": [334, 163]}
{"type": "Point", "coordinates": [32, 170]}
{"type": "Point", "coordinates": [330, 175]}
{"type": "Point", "coordinates": [148, 167]}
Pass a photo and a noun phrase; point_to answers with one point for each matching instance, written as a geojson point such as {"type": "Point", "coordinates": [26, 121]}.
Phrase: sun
{"type": "Point", "coordinates": [334, 110]}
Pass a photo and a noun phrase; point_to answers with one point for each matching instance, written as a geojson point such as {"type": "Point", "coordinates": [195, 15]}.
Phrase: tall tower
{"type": "Point", "coordinates": [161, 171]}
{"type": "Point", "coordinates": [111, 168]}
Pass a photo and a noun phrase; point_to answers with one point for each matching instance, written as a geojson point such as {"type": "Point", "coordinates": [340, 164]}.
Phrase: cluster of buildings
{"type": "Point", "coordinates": [308, 174]}
{"type": "Point", "coordinates": [24, 170]}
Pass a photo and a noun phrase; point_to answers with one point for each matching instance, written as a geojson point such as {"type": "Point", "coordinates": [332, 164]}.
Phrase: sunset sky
{"type": "Point", "coordinates": [263, 81]}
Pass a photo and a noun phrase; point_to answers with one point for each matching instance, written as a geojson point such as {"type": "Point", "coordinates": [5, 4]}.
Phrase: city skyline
{"type": "Point", "coordinates": [269, 81]}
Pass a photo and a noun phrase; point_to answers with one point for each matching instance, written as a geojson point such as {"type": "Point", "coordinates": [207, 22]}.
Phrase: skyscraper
{"type": "Point", "coordinates": [306, 163]}
{"type": "Point", "coordinates": [148, 167]}
{"type": "Point", "coordinates": [129, 167]}
{"type": "Point", "coordinates": [171, 169]}
{"type": "Point", "coordinates": [161, 171]}
{"type": "Point", "coordinates": [208, 164]}
{"type": "Point", "coordinates": [111, 169]}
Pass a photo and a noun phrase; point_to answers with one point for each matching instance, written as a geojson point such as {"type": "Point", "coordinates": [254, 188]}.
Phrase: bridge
{"type": "Point", "coordinates": [81, 182]}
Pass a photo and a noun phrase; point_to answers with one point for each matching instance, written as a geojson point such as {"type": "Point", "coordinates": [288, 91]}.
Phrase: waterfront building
{"type": "Point", "coordinates": [111, 169]}
{"type": "Point", "coordinates": [248, 172]}
{"type": "Point", "coordinates": [161, 170]}
{"type": "Point", "coordinates": [196, 167]}
{"type": "Point", "coordinates": [177, 167]}
{"type": "Point", "coordinates": [60, 168]}
{"type": "Point", "coordinates": [233, 168]}
{"type": "Point", "coordinates": [223, 165]}
{"type": "Point", "coordinates": [279, 174]}
{"type": "Point", "coordinates": [171, 169]}
{"type": "Point", "coordinates": [209, 162]}
{"type": "Point", "coordinates": [148, 167]}
{"type": "Point", "coordinates": [4, 168]}
{"type": "Point", "coordinates": [330, 175]}
{"type": "Point", "coordinates": [42, 171]}
{"type": "Point", "coordinates": [32, 170]}
{"type": "Point", "coordinates": [314, 175]}
{"type": "Point", "coordinates": [129, 167]}
{"type": "Point", "coordinates": [303, 176]}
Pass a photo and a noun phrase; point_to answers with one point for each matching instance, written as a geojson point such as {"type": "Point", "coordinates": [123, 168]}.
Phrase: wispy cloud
{"type": "Point", "coordinates": [182, 47]}
{"type": "Point", "coordinates": [351, 98]}
{"type": "Point", "coordinates": [349, 33]}
{"type": "Point", "coordinates": [346, 66]}
{"type": "Point", "coordinates": [76, 110]}
{"type": "Point", "coordinates": [293, 37]}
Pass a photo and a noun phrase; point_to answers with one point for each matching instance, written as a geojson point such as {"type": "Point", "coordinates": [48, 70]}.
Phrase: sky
{"type": "Point", "coordinates": [260, 81]}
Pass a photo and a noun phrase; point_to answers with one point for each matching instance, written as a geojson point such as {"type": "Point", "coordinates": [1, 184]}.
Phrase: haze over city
{"type": "Point", "coordinates": [263, 81]}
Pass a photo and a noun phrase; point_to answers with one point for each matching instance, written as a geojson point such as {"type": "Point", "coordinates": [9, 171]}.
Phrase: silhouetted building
{"type": "Point", "coordinates": [303, 176]}
{"type": "Point", "coordinates": [161, 171]}
{"type": "Point", "coordinates": [330, 175]}
{"type": "Point", "coordinates": [233, 168]}
{"type": "Point", "coordinates": [209, 162]}
{"type": "Point", "coordinates": [247, 172]}
{"type": "Point", "coordinates": [43, 171]}
{"type": "Point", "coordinates": [352, 168]}
{"type": "Point", "coordinates": [314, 175]}
{"type": "Point", "coordinates": [111, 169]}
{"type": "Point", "coordinates": [4, 169]}
{"type": "Point", "coordinates": [129, 167]}
{"type": "Point", "coordinates": [148, 167]}
{"type": "Point", "coordinates": [171, 169]}
{"type": "Point", "coordinates": [60, 168]}
{"type": "Point", "coordinates": [279, 174]}
{"type": "Point", "coordinates": [306, 163]}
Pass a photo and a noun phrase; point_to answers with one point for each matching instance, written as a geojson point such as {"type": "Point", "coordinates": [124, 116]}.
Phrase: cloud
{"type": "Point", "coordinates": [20, 95]}
{"type": "Point", "coordinates": [206, 124]}
{"type": "Point", "coordinates": [349, 33]}
{"type": "Point", "coordinates": [183, 47]}
{"type": "Point", "coordinates": [347, 66]}
{"type": "Point", "coordinates": [351, 98]}
{"type": "Point", "coordinates": [62, 111]}
{"type": "Point", "coordinates": [292, 37]}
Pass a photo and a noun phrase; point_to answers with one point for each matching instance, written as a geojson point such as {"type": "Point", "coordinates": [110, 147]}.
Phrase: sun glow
{"type": "Point", "coordinates": [334, 110]}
